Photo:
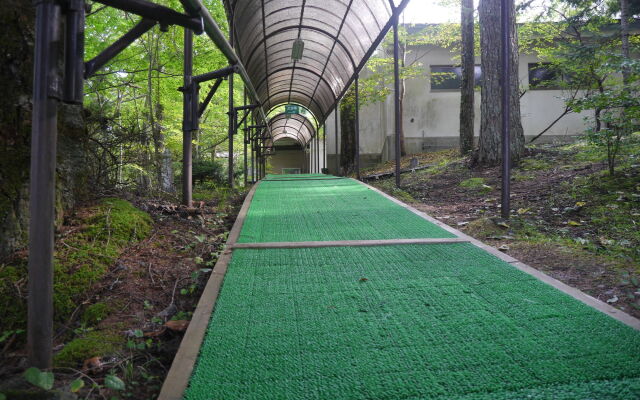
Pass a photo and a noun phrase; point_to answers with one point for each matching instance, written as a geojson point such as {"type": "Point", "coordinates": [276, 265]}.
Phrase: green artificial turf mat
{"type": "Point", "coordinates": [337, 209]}
{"type": "Point", "coordinates": [446, 321]}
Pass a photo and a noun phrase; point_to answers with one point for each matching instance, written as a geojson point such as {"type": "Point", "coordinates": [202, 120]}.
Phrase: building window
{"type": "Point", "coordinates": [449, 77]}
{"type": "Point", "coordinates": [544, 76]}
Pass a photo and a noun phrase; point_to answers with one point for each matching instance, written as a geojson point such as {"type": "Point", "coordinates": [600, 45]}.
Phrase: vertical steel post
{"type": "Point", "coordinates": [324, 147]}
{"type": "Point", "coordinates": [253, 164]}
{"type": "Point", "coordinates": [46, 95]}
{"type": "Point", "coordinates": [244, 141]}
{"type": "Point", "coordinates": [74, 52]}
{"type": "Point", "coordinates": [337, 110]}
{"type": "Point", "coordinates": [396, 94]}
{"type": "Point", "coordinates": [505, 15]}
{"type": "Point", "coordinates": [318, 143]}
{"type": "Point", "coordinates": [232, 113]}
{"type": "Point", "coordinates": [258, 161]}
{"type": "Point", "coordinates": [357, 126]}
{"type": "Point", "coordinates": [187, 120]}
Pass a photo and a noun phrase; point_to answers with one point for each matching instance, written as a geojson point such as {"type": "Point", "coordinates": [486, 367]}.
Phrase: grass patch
{"type": "Point", "coordinates": [535, 164]}
{"type": "Point", "coordinates": [82, 258]}
{"type": "Point", "coordinates": [612, 203]}
{"type": "Point", "coordinates": [389, 187]}
{"type": "Point", "coordinates": [478, 184]}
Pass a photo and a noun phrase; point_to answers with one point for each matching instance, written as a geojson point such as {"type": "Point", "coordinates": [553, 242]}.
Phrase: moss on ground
{"type": "Point", "coordinates": [95, 313]}
{"type": "Point", "coordinates": [478, 184]}
{"type": "Point", "coordinates": [93, 344]}
{"type": "Point", "coordinates": [81, 260]}
{"type": "Point", "coordinates": [535, 164]}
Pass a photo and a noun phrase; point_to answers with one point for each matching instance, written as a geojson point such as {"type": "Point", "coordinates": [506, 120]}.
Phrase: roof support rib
{"type": "Point", "coordinates": [293, 72]}
{"type": "Point", "coordinates": [396, 14]}
{"type": "Point", "coordinates": [344, 19]}
{"type": "Point", "coordinates": [213, 31]}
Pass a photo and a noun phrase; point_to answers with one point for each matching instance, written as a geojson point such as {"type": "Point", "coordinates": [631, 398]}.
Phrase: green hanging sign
{"type": "Point", "coordinates": [291, 109]}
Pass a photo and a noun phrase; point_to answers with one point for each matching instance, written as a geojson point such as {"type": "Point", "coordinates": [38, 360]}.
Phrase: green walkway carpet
{"type": "Point", "coordinates": [299, 210]}
{"type": "Point", "coordinates": [446, 321]}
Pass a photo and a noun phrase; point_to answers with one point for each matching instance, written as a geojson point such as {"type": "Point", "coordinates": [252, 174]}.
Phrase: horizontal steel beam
{"type": "Point", "coordinates": [99, 61]}
{"type": "Point", "coordinates": [220, 73]}
{"type": "Point", "coordinates": [164, 15]}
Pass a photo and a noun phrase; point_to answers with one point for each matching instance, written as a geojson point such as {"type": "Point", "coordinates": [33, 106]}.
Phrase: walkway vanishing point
{"type": "Point", "coordinates": [330, 289]}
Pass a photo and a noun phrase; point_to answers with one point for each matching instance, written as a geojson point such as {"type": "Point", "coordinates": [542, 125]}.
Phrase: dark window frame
{"type": "Point", "coordinates": [547, 78]}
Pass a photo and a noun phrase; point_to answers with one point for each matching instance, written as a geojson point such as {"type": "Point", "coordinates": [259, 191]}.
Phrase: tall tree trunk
{"type": "Point", "coordinates": [348, 134]}
{"type": "Point", "coordinates": [467, 111]}
{"type": "Point", "coordinates": [624, 31]}
{"type": "Point", "coordinates": [491, 111]}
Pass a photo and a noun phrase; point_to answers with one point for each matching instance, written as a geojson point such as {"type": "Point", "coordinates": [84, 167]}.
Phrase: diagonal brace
{"type": "Point", "coordinates": [164, 15]}
{"type": "Point", "coordinates": [207, 99]}
{"type": "Point", "coordinates": [93, 65]}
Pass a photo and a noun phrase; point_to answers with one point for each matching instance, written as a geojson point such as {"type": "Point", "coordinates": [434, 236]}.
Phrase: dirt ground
{"type": "Point", "coordinates": [549, 230]}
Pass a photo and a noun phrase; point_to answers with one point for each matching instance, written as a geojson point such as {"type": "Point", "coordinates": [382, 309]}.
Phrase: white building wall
{"type": "Point", "coordinates": [432, 118]}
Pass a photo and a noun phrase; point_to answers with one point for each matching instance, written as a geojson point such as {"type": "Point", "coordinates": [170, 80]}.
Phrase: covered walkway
{"type": "Point", "coordinates": [330, 289]}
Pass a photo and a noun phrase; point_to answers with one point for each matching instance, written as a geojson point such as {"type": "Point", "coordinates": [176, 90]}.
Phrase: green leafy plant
{"type": "Point", "coordinates": [41, 379]}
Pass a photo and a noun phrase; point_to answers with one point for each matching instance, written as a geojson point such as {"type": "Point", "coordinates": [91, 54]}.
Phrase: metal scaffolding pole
{"type": "Point", "coordinates": [253, 165]}
{"type": "Point", "coordinates": [244, 141]}
{"type": "Point", "coordinates": [187, 120]}
{"type": "Point", "coordinates": [232, 115]}
{"type": "Point", "coordinates": [44, 134]}
{"type": "Point", "coordinates": [324, 146]}
{"type": "Point", "coordinates": [357, 126]}
{"type": "Point", "coordinates": [336, 111]}
{"type": "Point", "coordinates": [396, 95]}
{"type": "Point", "coordinates": [505, 16]}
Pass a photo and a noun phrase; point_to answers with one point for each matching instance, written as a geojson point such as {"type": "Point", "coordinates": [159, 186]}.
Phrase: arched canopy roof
{"type": "Point", "coordinates": [339, 36]}
{"type": "Point", "coordinates": [294, 126]}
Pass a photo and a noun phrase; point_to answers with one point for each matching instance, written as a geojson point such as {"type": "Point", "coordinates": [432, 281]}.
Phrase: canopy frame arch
{"type": "Point", "coordinates": [305, 131]}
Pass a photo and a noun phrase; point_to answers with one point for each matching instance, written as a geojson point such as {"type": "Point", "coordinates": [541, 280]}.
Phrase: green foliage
{"type": "Point", "coordinates": [213, 170]}
{"type": "Point", "coordinates": [378, 83]}
{"type": "Point", "coordinates": [135, 111]}
{"type": "Point", "coordinates": [41, 379]}
{"type": "Point", "coordinates": [113, 382]}
{"type": "Point", "coordinates": [76, 385]}
{"type": "Point", "coordinates": [93, 344]}
{"type": "Point", "coordinates": [581, 42]}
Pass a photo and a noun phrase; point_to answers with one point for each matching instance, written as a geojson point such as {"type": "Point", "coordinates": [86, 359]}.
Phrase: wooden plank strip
{"type": "Point", "coordinates": [178, 377]}
{"type": "Point", "coordinates": [344, 243]}
{"type": "Point", "coordinates": [571, 291]}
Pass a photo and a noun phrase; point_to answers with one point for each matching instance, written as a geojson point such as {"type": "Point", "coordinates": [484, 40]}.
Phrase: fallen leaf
{"type": "Point", "coordinates": [92, 364]}
{"type": "Point", "coordinates": [523, 210]}
{"type": "Point", "coordinates": [363, 279]}
{"type": "Point", "coordinates": [581, 204]}
{"type": "Point", "coordinates": [504, 247]}
{"type": "Point", "coordinates": [503, 225]}
{"type": "Point", "coordinates": [613, 300]}
{"type": "Point", "coordinates": [574, 223]}
{"type": "Point", "coordinates": [155, 333]}
{"type": "Point", "coordinates": [178, 326]}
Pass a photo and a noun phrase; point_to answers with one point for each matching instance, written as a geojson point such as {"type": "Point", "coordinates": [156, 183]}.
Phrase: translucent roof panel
{"type": "Point", "coordinates": [294, 126]}
{"type": "Point", "coordinates": [338, 36]}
